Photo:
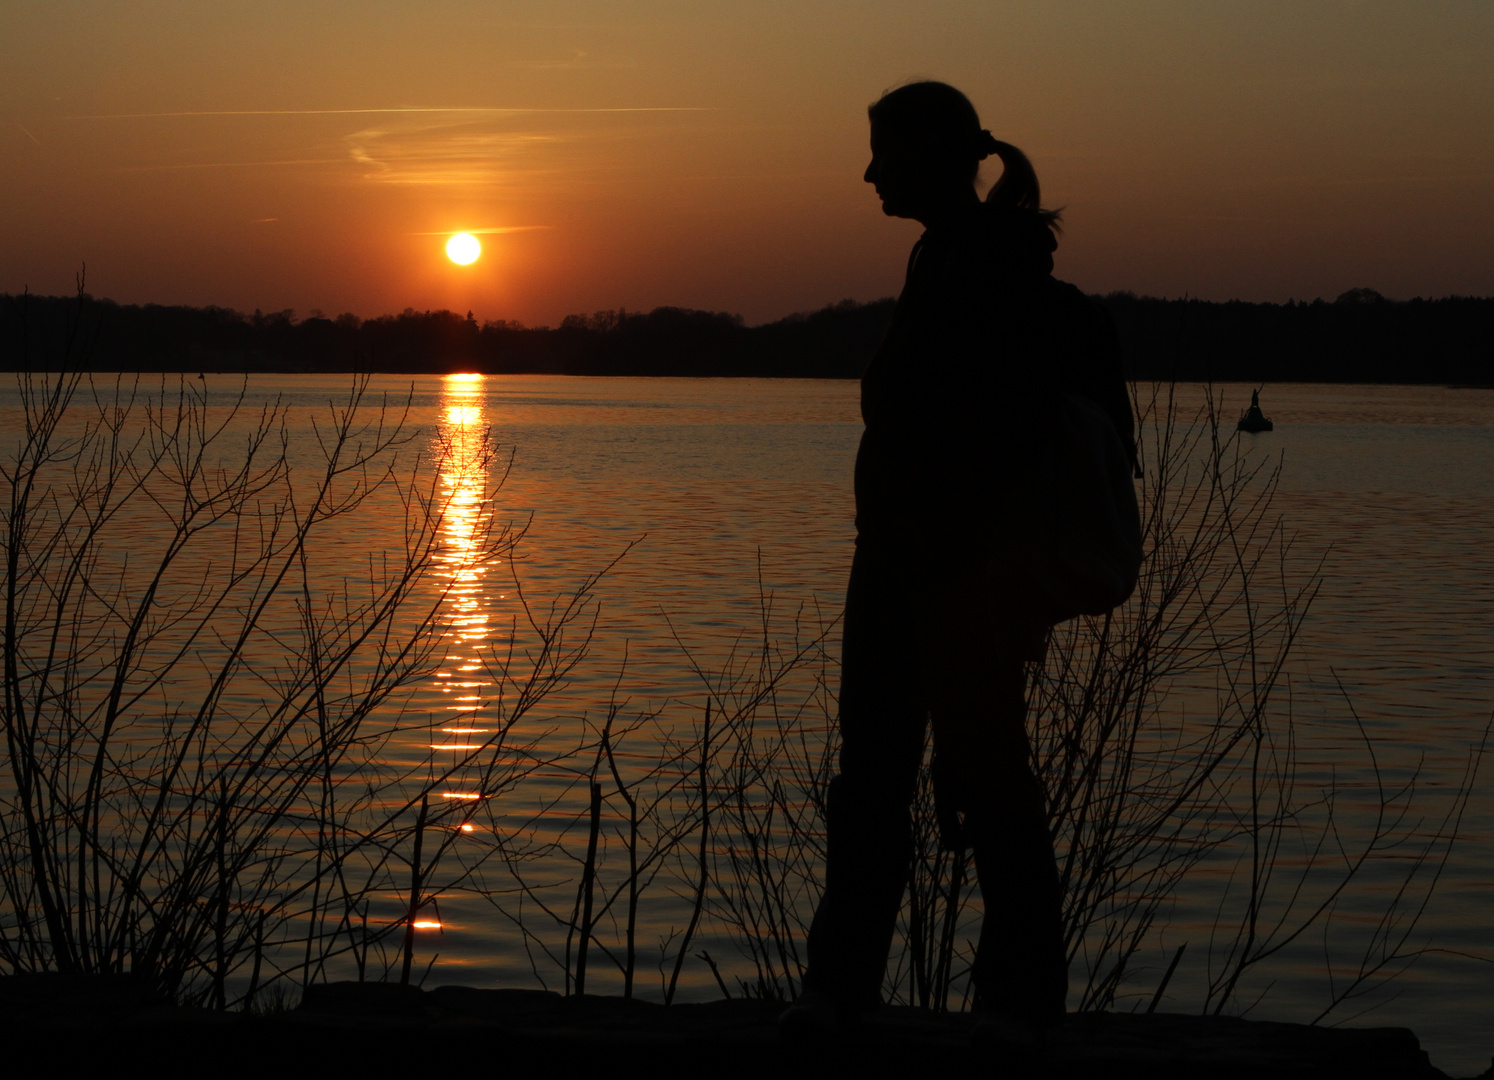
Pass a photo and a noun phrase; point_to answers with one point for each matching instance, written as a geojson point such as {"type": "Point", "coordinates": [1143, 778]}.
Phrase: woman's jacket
{"type": "Point", "coordinates": [957, 396]}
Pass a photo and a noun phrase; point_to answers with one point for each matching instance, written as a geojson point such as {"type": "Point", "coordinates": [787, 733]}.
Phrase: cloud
{"type": "Point", "coordinates": [451, 154]}
{"type": "Point", "coordinates": [438, 146]}
{"type": "Point", "coordinates": [490, 151]}
{"type": "Point", "coordinates": [230, 164]}
{"type": "Point", "coordinates": [378, 112]}
{"type": "Point", "coordinates": [492, 231]}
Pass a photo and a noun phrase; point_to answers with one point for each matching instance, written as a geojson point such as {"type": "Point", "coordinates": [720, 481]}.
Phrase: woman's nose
{"type": "Point", "coordinates": [870, 175]}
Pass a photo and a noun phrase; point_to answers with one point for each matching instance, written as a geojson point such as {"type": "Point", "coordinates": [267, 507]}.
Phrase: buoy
{"type": "Point", "coordinates": [1254, 420]}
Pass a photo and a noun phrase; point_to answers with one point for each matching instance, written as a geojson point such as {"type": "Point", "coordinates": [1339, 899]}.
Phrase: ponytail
{"type": "Point", "coordinates": [1018, 184]}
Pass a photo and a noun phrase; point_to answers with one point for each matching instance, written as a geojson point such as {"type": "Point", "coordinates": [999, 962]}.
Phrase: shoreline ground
{"type": "Point", "coordinates": [378, 1025]}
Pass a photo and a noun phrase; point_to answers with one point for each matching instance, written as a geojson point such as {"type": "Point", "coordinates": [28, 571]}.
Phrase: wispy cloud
{"type": "Point", "coordinates": [380, 112]}
{"type": "Point", "coordinates": [447, 154]}
{"type": "Point", "coordinates": [493, 231]}
{"type": "Point", "coordinates": [172, 167]}
{"type": "Point", "coordinates": [445, 145]}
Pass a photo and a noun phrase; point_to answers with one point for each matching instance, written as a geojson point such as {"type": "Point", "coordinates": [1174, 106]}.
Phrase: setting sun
{"type": "Point", "coordinates": [463, 248]}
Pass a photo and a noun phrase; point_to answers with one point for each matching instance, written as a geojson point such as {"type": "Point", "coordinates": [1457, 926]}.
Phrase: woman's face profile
{"type": "Point", "coordinates": [897, 174]}
{"type": "Point", "coordinates": [913, 178]}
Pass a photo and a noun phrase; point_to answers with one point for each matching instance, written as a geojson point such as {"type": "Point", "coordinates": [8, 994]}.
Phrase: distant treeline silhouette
{"type": "Point", "coordinates": [1359, 337]}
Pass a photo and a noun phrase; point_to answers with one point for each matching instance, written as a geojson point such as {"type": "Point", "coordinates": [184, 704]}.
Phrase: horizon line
{"type": "Point", "coordinates": [1119, 293]}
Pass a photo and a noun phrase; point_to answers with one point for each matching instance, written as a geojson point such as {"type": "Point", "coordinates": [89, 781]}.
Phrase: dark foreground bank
{"type": "Point", "coordinates": [453, 1029]}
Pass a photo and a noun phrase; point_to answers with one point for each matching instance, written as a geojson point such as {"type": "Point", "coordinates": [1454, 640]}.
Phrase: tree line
{"type": "Point", "coordinates": [1358, 337]}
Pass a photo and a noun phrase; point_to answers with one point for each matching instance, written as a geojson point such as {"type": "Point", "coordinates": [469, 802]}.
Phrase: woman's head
{"type": "Point", "coordinates": [927, 146]}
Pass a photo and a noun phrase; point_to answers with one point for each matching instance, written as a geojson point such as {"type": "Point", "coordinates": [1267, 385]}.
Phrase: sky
{"type": "Point", "coordinates": [317, 155]}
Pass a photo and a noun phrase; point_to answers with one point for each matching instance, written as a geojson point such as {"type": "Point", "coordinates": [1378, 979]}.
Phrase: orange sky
{"type": "Point", "coordinates": [709, 154]}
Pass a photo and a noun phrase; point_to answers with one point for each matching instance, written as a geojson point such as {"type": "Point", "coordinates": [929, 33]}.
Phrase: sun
{"type": "Point", "coordinates": [463, 248]}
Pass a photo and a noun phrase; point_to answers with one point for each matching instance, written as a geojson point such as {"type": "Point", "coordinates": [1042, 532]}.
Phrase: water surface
{"type": "Point", "coordinates": [723, 492]}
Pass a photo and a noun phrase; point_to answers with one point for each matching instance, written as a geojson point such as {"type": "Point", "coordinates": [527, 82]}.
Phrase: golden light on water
{"type": "Point", "coordinates": [461, 448]}
{"type": "Point", "coordinates": [463, 249]}
{"type": "Point", "coordinates": [464, 458]}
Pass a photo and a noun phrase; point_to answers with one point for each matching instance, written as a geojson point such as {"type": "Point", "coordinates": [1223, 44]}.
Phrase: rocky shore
{"type": "Point", "coordinates": [452, 1028]}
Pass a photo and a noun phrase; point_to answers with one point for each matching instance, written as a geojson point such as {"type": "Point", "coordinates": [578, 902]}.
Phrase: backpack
{"type": "Point", "coordinates": [1077, 512]}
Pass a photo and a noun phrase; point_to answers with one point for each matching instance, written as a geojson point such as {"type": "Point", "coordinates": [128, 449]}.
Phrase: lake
{"type": "Point", "coordinates": [721, 493]}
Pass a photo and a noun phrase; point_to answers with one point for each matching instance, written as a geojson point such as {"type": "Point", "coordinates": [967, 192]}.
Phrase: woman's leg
{"type": "Point", "coordinates": [980, 737]}
{"type": "Point", "coordinates": [869, 844]}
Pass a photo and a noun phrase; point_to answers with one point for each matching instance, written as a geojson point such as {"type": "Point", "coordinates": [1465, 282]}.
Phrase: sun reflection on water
{"type": "Point", "coordinates": [462, 447]}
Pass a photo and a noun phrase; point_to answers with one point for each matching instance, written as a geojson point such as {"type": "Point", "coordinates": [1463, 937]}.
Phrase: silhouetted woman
{"type": "Point", "coordinates": [939, 620]}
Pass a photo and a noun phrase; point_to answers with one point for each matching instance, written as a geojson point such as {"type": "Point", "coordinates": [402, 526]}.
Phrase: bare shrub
{"type": "Point", "coordinates": [213, 772]}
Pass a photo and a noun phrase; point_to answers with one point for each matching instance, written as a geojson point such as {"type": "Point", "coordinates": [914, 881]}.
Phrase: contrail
{"type": "Point", "coordinates": [30, 136]}
{"type": "Point", "coordinates": [368, 112]}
